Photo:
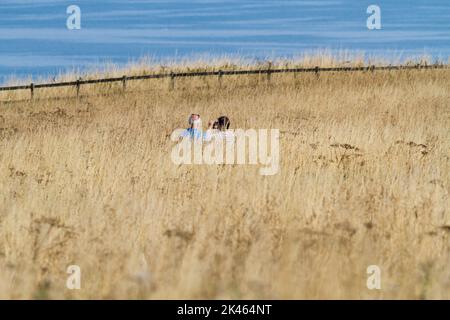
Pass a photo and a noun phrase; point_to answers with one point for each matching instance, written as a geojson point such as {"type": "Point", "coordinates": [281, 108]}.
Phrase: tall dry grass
{"type": "Point", "coordinates": [364, 181]}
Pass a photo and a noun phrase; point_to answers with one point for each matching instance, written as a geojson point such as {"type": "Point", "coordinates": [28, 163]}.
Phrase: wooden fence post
{"type": "Point", "coordinates": [124, 83]}
{"type": "Point", "coordinates": [32, 90]}
{"type": "Point", "coordinates": [269, 72]}
{"type": "Point", "coordinates": [78, 87]}
{"type": "Point", "coordinates": [172, 82]}
{"type": "Point", "coordinates": [220, 78]}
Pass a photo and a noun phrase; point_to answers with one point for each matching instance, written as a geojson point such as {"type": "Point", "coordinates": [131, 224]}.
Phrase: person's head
{"type": "Point", "coordinates": [194, 121]}
{"type": "Point", "coordinates": [222, 123]}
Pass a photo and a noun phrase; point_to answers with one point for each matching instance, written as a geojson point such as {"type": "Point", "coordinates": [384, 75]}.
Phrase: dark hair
{"type": "Point", "coordinates": [223, 123]}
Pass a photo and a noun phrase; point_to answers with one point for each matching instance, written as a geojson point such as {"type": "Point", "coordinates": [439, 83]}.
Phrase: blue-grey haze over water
{"type": "Point", "coordinates": [34, 39]}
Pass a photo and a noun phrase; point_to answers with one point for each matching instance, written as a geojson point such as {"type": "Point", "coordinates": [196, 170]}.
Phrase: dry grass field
{"type": "Point", "coordinates": [364, 180]}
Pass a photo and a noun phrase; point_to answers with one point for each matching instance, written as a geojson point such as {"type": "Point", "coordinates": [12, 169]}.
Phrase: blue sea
{"type": "Point", "coordinates": [35, 41]}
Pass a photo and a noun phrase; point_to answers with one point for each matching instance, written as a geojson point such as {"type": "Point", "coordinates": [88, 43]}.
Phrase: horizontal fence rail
{"type": "Point", "coordinates": [219, 73]}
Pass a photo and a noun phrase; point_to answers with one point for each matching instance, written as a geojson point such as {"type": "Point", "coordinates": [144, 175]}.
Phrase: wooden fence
{"type": "Point", "coordinates": [268, 72]}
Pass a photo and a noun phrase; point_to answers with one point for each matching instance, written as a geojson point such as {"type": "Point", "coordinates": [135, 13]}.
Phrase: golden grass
{"type": "Point", "coordinates": [364, 181]}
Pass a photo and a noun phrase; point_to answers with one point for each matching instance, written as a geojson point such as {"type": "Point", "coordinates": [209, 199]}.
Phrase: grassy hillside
{"type": "Point", "coordinates": [364, 180]}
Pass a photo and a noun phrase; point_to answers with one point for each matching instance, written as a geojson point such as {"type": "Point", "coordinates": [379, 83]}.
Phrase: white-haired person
{"type": "Point", "coordinates": [195, 130]}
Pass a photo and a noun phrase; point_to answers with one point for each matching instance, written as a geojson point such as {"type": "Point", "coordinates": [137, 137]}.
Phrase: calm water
{"type": "Point", "coordinates": [34, 39]}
